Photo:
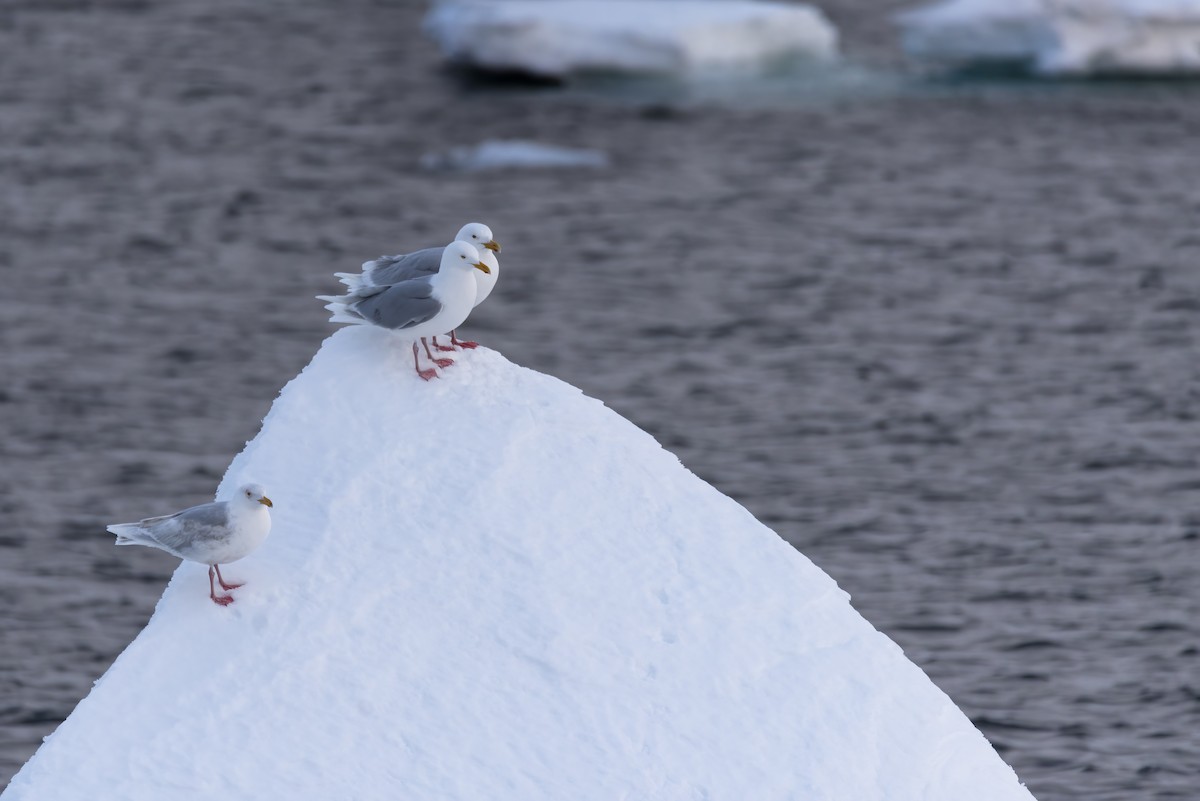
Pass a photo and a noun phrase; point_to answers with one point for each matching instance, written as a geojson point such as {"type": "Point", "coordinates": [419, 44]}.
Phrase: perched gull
{"type": "Point", "coordinates": [388, 270]}
{"type": "Point", "coordinates": [419, 307]}
{"type": "Point", "coordinates": [212, 534]}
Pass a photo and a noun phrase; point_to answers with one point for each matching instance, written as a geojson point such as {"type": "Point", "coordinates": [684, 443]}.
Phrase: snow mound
{"type": "Point", "coordinates": [1060, 37]}
{"type": "Point", "coordinates": [505, 154]}
{"type": "Point", "coordinates": [558, 39]}
{"type": "Point", "coordinates": [492, 586]}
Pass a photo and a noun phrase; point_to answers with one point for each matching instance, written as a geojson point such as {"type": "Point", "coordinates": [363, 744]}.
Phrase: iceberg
{"type": "Point", "coordinates": [492, 586]}
{"type": "Point", "coordinates": [558, 39]}
{"type": "Point", "coordinates": [1059, 37]}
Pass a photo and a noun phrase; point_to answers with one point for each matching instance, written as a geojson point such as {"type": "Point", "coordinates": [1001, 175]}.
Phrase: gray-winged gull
{"type": "Point", "coordinates": [419, 307]}
{"type": "Point", "coordinates": [388, 270]}
{"type": "Point", "coordinates": [212, 534]}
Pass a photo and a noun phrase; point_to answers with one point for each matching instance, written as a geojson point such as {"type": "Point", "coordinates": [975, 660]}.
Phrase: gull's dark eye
{"type": "Point", "coordinates": [473, 236]}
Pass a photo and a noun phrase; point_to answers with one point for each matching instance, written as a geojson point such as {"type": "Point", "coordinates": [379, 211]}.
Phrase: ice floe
{"type": "Point", "coordinates": [494, 587]}
{"type": "Point", "coordinates": [1060, 37]}
{"type": "Point", "coordinates": [502, 154]}
{"type": "Point", "coordinates": [560, 38]}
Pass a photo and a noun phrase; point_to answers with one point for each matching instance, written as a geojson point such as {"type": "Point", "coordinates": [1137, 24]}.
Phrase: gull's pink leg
{"type": "Point", "coordinates": [221, 580]}
{"type": "Point", "coordinates": [462, 343]}
{"type": "Point", "coordinates": [441, 347]}
{"type": "Point", "coordinates": [219, 600]}
{"type": "Point", "coordinates": [426, 374]}
{"type": "Point", "coordinates": [438, 362]}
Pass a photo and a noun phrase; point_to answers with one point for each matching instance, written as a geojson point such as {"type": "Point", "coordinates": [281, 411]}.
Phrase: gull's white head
{"type": "Point", "coordinates": [460, 254]}
{"type": "Point", "coordinates": [252, 493]}
{"type": "Point", "coordinates": [479, 235]}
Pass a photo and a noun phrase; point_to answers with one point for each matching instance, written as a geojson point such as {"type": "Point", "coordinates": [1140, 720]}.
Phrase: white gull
{"type": "Point", "coordinates": [387, 270]}
{"type": "Point", "coordinates": [212, 534]}
{"type": "Point", "coordinates": [419, 307]}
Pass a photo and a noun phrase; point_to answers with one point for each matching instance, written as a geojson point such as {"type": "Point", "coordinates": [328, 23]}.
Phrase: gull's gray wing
{"type": "Point", "coordinates": [196, 529]}
{"type": "Point", "coordinates": [401, 305]}
{"type": "Point", "coordinates": [405, 267]}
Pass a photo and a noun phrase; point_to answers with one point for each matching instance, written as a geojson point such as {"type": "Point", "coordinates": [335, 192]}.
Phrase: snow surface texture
{"type": "Point", "coordinates": [518, 596]}
{"type": "Point", "coordinates": [1060, 37]}
{"type": "Point", "coordinates": [506, 154]}
{"type": "Point", "coordinates": [559, 39]}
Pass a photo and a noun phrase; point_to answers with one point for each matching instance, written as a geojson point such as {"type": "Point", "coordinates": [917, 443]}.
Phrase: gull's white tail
{"type": "Point", "coordinates": [356, 282]}
{"type": "Point", "coordinates": [353, 281]}
{"type": "Point", "coordinates": [340, 310]}
{"type": "Point", "coordinates": [131, 534]}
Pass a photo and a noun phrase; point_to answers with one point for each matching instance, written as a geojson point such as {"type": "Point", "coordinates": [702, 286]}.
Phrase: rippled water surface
{"type": "Point", "coordinates": [943, 339]}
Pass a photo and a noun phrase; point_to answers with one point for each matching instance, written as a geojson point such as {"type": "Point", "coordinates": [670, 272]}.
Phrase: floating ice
{"type": "Point", "coordinates": [502, 154]}
{"type": "Point", "coordinates": [558, 39]}
{"type": "Point", "coordinates": [1060, 37]}
{"type": "Point", "coordinates": [494, 587]}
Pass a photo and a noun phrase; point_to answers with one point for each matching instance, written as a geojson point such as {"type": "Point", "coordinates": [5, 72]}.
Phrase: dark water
{"type": "Point", "coordinates": [943, 337]}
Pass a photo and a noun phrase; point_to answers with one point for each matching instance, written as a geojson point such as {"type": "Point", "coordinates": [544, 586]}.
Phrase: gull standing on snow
{"type": "Point", "coordinates": [387, 270]}
{"type": "Point", "coordinates": [419, 307]}
{"type": "Point", "coordinates": [212, 534]}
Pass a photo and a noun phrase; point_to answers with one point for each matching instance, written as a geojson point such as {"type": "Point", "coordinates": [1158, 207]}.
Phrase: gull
{"type": "Point", "coordinates": [419, 307]}
{"type": "Point", "coordinates": [212, 534]}
{"type": "Point", "coordinates": [387, 270]}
